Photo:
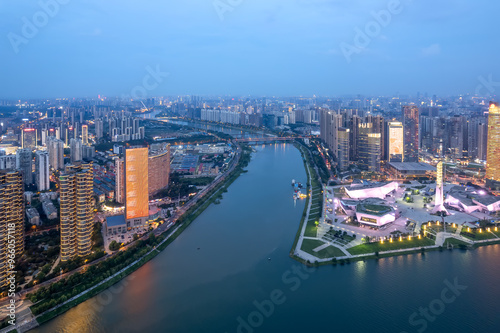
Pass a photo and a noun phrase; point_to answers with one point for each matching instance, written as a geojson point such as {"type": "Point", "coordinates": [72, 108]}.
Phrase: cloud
{"type": "Point", "coordinates": [431, 50]}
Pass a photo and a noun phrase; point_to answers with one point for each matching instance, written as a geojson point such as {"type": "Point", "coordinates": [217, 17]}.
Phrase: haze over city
{"type": "Point", "coordinates": [258, 47]}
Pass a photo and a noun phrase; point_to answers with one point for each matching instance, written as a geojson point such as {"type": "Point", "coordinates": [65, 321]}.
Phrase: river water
{"type": "Point", "coordinates": [230, 271]}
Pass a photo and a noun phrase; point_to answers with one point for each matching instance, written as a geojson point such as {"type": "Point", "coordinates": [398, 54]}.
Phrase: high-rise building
{"type": "Point", "coordinates": [85, 134]}
{"type": "Point", "coordinates": [493, 153]}
{"type": "Point", "coordinates": [120, 180]}
{"type": "Point", "coordinates": [439, 199]}
{"type": "Point", "coordinates": [42, 174]}
{"type": "Point", "coordinates": [136, 187]}
{"type": "Point", "coordinates": [76, 150]}
{"type": "Point", "coordinates": [343, 148]}
{"type": "Point", "coordinates": [329, 126]}
{"type": "Point", "coordinates": [159, 171]}
{"type": "Point", "coordinates": [11, 219]}
{"type": "Point", "coordinates": [482, 141]}
{"type": "Point", "coordinates": [24, 162]}
{"type": "Point", "coordinates": [369, 148]}
{"type": "Point", "coordinates": [7, 162]}
{"type": "Point", "coordinates": [29, 138]}
{"type": "Point", "coordinates": [354, 123]}
{"type": "Point", "coordinates": [395, 147]}
{"type": "Point", "coordinates": [411, 133]}
{"type": "Point", "coordinates": [56, 153]}
{"type": "Point", "coordinates": [99, 129]}
{"type": "Point", "coordinates": [77, 211]}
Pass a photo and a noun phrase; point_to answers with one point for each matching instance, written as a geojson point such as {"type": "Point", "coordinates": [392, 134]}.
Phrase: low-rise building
{"type": "Point", "coordinates": [49, 209]}
{"type": "Point", "coordinates": [115, 225]}
{"type": "Point", "coordinates": [33, 216]}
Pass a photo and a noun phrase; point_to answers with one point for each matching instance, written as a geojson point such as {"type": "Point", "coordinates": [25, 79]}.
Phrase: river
{"type": "Point", "coordinates": [230, 272]}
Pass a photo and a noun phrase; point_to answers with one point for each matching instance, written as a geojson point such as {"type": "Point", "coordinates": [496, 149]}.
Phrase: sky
{"type": "Point", "coordinates": [70, 48]}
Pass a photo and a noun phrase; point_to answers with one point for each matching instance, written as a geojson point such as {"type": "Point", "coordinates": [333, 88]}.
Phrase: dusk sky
{"type": "Point", "coordinates": [253, 47]}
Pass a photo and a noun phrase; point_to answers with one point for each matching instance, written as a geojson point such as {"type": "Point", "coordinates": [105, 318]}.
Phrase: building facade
{"type": "Point", "coordinates": [493, 151]}
{"type": "Point", "coordinates": [411, 133]}
{"type": "Point", "coordinates": [159, 171]}
{"type": "Point", "coordinates": [11, 220]}
{"type": "Point", "coordinates": [136, 187]}
{"type": "Point", "coordinates": [77, 210]}
{"type": "Point", "coordinates": [42, 172]}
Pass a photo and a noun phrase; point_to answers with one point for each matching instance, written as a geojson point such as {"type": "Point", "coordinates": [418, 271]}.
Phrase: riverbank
{"type": "Point", "coordinates": [219, 187]}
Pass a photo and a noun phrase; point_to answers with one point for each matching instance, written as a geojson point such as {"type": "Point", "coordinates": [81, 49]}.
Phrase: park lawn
{"type": "Point", "coordinates": [454, 241]}
{"type": "Point", "coordinates": [329, 252]}
{"type": "Point", "coordinates": [479, 236]}
{"type": "Point", "coordinates": [311, 229]}
{"type": "Point", "coordinates": [308, 245]}
{"type": "Point", "coordinates": [396, 245]}
{"type": "Point", "coordinates": [440, 228]}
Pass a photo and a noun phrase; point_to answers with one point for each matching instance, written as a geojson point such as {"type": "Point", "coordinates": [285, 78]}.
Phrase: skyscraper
{"type": "Point", "coordinates": [159, 171]}
{"type": "Point", "coordinates": [136, 187]}
{"type": "Point", "coordinates": [77, 211]}
{"type": "Point", "coordinates": [29, 138]}
{"type": "Point", "coordinates": [24, 162]}
{"type": "Point", "coordinates": [76, 150]}
{"type": "Point", "coordinates": [11, 219]}
{"type": "Point", "coordinates": [493, 153]}
{"type": "Point", "coordinates": [99, 128]}
{"type": "Point", "coordinates": [411, 135]}
{"type": "Point", "coordinates": [42, 170]}
{"type": "Point", "coordinates": [56, 153]}
{"type": "Point", "coordinates": [369, 148]}
{"type": "Point", "coordinates": [120, 180]}
{"type": "Point", "coordinates": [85, 134]}
{"type": "Point", "coordinates": [343, 148]}
{"type": "Point", "coordinates": [395, 151]}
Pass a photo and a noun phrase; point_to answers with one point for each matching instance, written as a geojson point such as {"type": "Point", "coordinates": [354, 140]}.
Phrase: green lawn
{"type": "Point", "coordinates": [311, 229]}
{"type": "Point", "coordinates": [454, 241]}
{"type": "Point", "coordinates": [396, 245]}
{"type": "Point", "coordinates": [309, 244]}
{"type": "Point", "coordinates": [478, 235]}
{"type": "Point", "coordinates": [330, 252]}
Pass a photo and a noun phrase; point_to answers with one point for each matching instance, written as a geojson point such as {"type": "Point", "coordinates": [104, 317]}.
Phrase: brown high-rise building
{"type": "Point", "coordinates": [11, 220]}
{"type": "Point", "coordinates": [77, 210]}
{"type": "Point", "coordinates": [136, 187]}
{"type": "Point", "coordinates": [159, 171]}
{"type": "Point", "coordinates": [411, 143]}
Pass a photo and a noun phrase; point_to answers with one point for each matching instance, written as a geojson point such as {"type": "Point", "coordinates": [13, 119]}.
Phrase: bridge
{"type": "Point", "coordinates": [269, 139]}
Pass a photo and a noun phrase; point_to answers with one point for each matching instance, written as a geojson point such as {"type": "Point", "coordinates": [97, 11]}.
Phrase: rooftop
{"type": "Point", "coordinates": [114, 221]}
{"type": "Point", "coordinates": [412, 166]}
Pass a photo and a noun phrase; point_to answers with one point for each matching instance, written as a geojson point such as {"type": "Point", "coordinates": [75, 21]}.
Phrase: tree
{"type": "Point", "coordinates": [114, 246]}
